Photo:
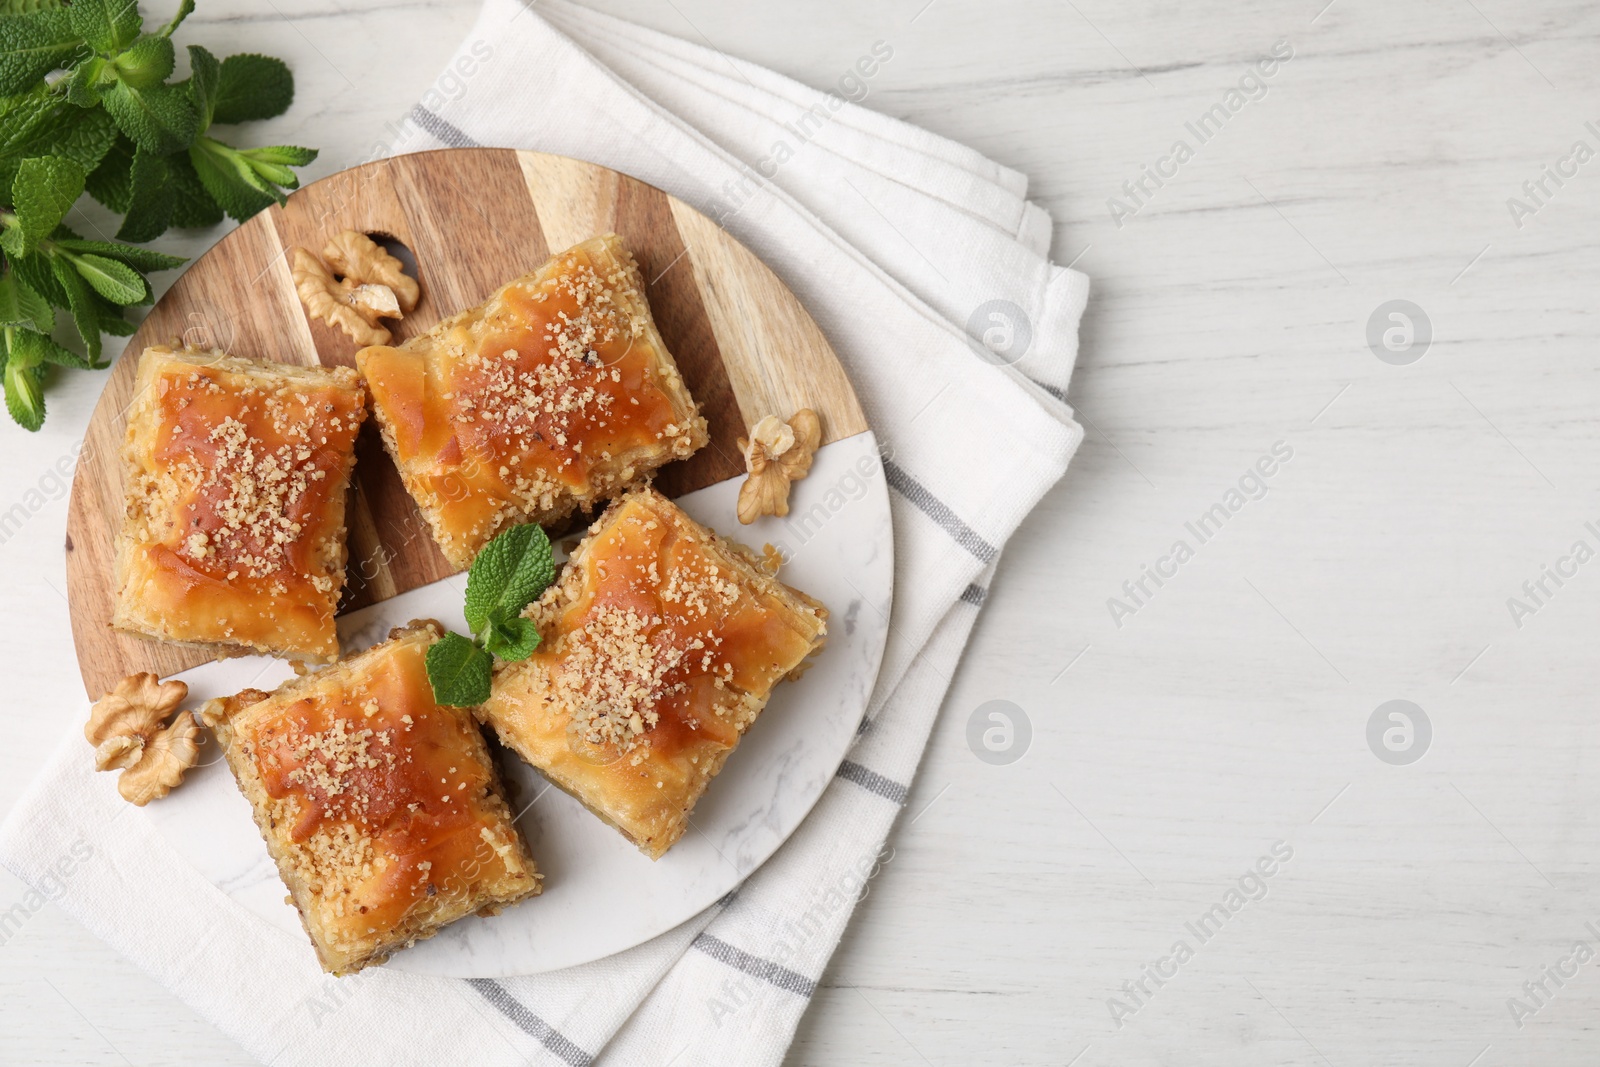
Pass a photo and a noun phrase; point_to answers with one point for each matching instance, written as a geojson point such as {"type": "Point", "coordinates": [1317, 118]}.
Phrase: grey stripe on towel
{"type": "Point", "coordinates": [938, 511]}
{"type": "Point", "coordinates": [529, 1023]}
{"type": "Point", "coordinates": [441, 130]}
{"type": "Point", "coordinates": [1054, 390]}
{"type": "Point", "coordinates": [873, 782]}
{"type": "Point", "coordinates": [766, 970]}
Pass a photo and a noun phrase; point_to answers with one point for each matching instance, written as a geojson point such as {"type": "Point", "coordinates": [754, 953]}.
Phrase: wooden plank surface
{"type": "Point", "coordinates": [473, 219]}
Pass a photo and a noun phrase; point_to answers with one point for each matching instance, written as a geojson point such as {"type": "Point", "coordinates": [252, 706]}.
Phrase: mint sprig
{"type": "Point", "coordinates": [87, 106]}
{"type": "Point", "coordinates": [509, 574]}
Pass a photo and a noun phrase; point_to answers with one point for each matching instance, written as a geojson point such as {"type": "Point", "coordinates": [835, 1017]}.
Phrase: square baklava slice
{"type": "Point", "coordinates": [553, 394]}
{"type": "Point", "coordinates": [234, 533]}
{"type": "Point", "coordinates": [660, 644]}
{"type": "Point", "coordinates": [382, 809]}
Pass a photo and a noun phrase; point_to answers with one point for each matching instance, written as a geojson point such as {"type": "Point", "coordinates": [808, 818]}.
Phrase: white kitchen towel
{"type": "Point", "coordinates": [926, 267]}
{"type": "Point", "coordinates": [993, 246]}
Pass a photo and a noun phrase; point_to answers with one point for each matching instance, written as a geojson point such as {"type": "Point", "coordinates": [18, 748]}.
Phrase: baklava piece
{"type": "Point", "coordinates": [381, 808]}
{"type": "Point", "coordinates": [553, 394]}
{"type": "Point", "coordinates": [234, 534]}
{"type": "Point", "coordinates": [660, 644]}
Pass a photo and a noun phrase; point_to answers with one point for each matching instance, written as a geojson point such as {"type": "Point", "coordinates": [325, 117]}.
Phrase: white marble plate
{"type": "Point", "coordinates": [601, 895]}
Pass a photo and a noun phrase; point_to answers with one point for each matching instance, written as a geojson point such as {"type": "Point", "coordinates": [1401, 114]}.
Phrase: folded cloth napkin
{"type": "Point", "coordinates": [926, 267]}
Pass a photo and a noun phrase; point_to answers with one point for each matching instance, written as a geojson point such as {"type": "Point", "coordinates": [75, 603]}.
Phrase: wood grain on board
{"type": "Point", "coordinates": [473, 218]}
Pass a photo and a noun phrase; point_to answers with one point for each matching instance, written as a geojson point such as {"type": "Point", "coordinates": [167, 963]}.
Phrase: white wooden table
{"type": "Point", "coordinates": [1229, 711]}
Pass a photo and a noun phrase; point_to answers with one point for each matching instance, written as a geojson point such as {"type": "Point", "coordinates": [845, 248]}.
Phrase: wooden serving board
{"type": "Point", "coordinates": [474, 218]}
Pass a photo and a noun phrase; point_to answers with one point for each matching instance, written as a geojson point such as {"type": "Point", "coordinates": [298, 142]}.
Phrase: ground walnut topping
{"type": "Point", "coordinates": [515, 397]}
{"type": "Point", "coordinates": [554, 399]}
{"type": "Point", "coordinates": [614, 672]}
{"type": "Point", "coordinates": [335, 763]}
{"type": "Point", "coordinates": [247, 494]}
{"type": "Point", "coordinates": [258, 489]}
{"type": "Point", "coordinates": [698, 591]}
{"type": "Point", "coordinates": [617, 669]}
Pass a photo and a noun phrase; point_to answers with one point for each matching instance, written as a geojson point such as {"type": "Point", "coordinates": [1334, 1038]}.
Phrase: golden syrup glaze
{"type": "Point", "coordinates": [655, 621]}
{"type": "Point", "coordinates": [261, 472]}
{"type": "Point", "coordinates": [712, 639]}
{"type": "Point", "coordinates": [551, 390]}
{"type": "Point", "coordinates": [376, 755]}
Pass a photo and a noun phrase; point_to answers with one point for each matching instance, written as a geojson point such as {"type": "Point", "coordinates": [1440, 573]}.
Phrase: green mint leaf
{"type": "Point", "coordinates": [84, 135]}
{"type": "Point", "coordinates": [261, 169]}
{"type": "Point", "coordinates": [85, 80]}
{"type": "Point", "coordinates": [62, 357]}
{"type": "Point", "coordinates": [85, 106]}
{"type": "Point", "coordinates": [117, 282]}
{"type": "Point", "coordinates": [509, 573]}
{"type": "Point", "coordinates": [11, 312]}
{"type": "Point", "coordinates": [24, 393]}
{"type": "Point", "coordinates": [252, 87]}
{"type": "Point", "coordinates": [33, 349]}
{"type": "Point", "coordinates": [185, 9]}
{"type": "Point", "coordinates": [229, 179]}
{"type": "Point", "coordinates": [35, 271]}
{"type": "Point", "coordinates": [151, 199]}
{"type": "Point", "coordinates": [281, 154]}
{"type": "Point", "coordinates": [44, 189]}
{"type": "Point", "coordinates": [148, 62]}
{"type": "Point", "coordinates": [275, 173]}
{"type": "Point", "coordinates": [86, 308]}
{"type": "Point", "coordinates": [192, 206]}
{"type": "Point", "coordinates": [143, 260]}
{"type": "Point", "coordinates": [39, 124]}
{"type": "Point", "coordinates": [205, 74]}
{"type": "Point", "coordinates": [109, 25]}
{"type": "Point", "coordinates": [33, 45]}
{"type": "Point", "coordinates": [160, 119]}
{"type": "Point", "coordinates": [459, 671]}
{"type": "Point", "coordinates": [112, 322]}
{"type": "Point", "coordinates": [111, 181]}
{"type": "Point", "coordinates": [35, 307]}
{"type": "Point", "coordinates": [17, 355]}
{"type": "Point", "coordinates": [25, 120]}
{"type": "Point", "coordinates": [20, 305]}
{"type": "Point", "coordinates": [512, 639]}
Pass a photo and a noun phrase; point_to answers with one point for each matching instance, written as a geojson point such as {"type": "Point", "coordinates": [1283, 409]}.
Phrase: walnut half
{"type": "Point", "coordinates": [129, 731]}
{"type": "Point", "coordinates": [777, 453]}
{"type": "Point", "coordinates": [353, 285]}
